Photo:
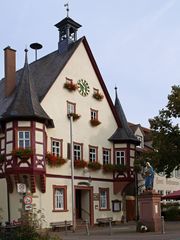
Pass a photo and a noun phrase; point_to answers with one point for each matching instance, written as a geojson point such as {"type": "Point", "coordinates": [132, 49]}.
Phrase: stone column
{"type": "Point", "coordinates": [150, 210]}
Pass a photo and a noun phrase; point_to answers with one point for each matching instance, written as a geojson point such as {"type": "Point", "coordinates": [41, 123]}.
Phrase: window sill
{"type": "Point", "coordinates": [65, 210]}
{"type": "Point", "coordinates": [107, 209]}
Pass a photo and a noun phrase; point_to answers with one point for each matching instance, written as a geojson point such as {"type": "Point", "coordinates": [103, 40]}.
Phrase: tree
{"type": "Point", "coordinates": [166, 135]}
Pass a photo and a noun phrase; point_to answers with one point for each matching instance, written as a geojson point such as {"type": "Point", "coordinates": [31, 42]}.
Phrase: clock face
{"type": "Point", "coordinates": [83, 87]}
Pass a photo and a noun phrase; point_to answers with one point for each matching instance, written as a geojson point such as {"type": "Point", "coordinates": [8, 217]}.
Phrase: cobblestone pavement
{"type": "Point", "coordinates": [123, 231]}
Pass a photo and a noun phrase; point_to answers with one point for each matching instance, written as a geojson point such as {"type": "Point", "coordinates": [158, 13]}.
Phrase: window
{"type": "Point", "coordinates": [95, 90]}
{"type": "Point", "coordinates": [24, 139]}
{"type": "Point", "coordinates": [103, 198]}
{"type": "Point", "coordinates": [106, 156]}
{"type": "Point", "coordinates": [59, 198]}
{"type": "Point", "coordinates": [140, 138]}
{"type": "Point", "coordinates": [77, 151]}
{"type": "Point", "coordinates": [56, 147]}
{"type": "Point", "coordinates": [161, 192]}
{"type": "Point", "coordinates": [93, 154]}
{"type": "Point", "coordinates": [120, 157]}
{"type": "Point", "coordinates": [69, 80]}
{"type": "Point", "coordinates": [71, 107]}
{"type": "Point", "coordinates": [94, 114]}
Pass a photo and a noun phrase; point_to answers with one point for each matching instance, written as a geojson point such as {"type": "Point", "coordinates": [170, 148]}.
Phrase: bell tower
{"type": "Point", "coordinates": [67, 32]}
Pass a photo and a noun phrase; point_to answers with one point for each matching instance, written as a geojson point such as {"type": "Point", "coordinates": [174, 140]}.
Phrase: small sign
{"type": "Point", "coordinates": [21, 187]}
{"type": "Point", "coordinates": [96, 196]}
{"type": "Point", "coordinates": [28, 207]}
{"type": "Point", "coordinates": [27, 200]}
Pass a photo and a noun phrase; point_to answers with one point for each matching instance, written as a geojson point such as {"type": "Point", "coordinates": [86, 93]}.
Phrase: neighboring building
{"type": "Point", "coordinates": [37, 104]}
{"type": "Point", "coordinates": [162, 185]}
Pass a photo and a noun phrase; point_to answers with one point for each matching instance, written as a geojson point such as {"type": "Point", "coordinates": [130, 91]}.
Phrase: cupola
{"type": "Point", "coordinates": [67, 32]}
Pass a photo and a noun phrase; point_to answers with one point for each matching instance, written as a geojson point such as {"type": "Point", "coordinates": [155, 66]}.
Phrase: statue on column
{"type": "Point", "coordinates": [149, 176]}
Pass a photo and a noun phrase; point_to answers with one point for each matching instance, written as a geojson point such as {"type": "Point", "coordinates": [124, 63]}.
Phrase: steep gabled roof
{"type": "Point", "coordinates": [45, 71]}
{"type": "Point", "coordinates": [25, 104]}
{"type": "Point", "coordinates": [123, 133]}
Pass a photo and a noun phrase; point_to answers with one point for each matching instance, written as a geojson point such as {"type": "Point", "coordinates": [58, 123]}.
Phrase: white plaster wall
{"type": "Point", "coordinates": [38, 136]}
{"type": "Point", "coordinates": [24, 123]}
{"type": "Point", "coordinates": [9, 135]}
{"type": "Point", "coordinates": [3, 200]}
{"type": "Point", "coordinates": [78, 67]}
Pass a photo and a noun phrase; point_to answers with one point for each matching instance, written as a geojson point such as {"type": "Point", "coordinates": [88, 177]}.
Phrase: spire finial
{"type": "Point", "coordinates": [67, 8]}
{"type": "Point", "coordinates": [115, 91]}
{"type": "Point", "coordinates": [26, 58]}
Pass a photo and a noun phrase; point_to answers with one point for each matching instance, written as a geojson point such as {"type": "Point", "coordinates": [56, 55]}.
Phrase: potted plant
{"type": "Point", "coordinates": [22, 153]}
{"type": "Point", "coordinates": [80, 164]}
{"type": "Point", "coordinates": [75, 116]}
{"type": "Point", "coordinates": [120, 167]}
{"type": "Point", "coordinates": [54, 161]}
{"type": "Point", "coordinates": [108, 167]}
{"type": "Point", "coordinates": [94, 165]}
{"type": "Point", "coordinates": [69, 85]}
{"type": "Point", "coordinates": [98, 96]}
{"type": "Point", "coordinates": [95, 122]}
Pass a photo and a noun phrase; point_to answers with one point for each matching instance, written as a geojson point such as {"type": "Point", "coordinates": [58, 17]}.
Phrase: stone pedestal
{"type": "Point", "coordinates": [150, 210]}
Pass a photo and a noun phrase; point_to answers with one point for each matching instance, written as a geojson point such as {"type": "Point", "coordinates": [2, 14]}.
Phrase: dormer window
{"type": "Point", "coordinates": [140, 138]}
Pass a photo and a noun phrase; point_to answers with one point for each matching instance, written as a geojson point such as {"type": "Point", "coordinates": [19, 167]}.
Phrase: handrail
{"type": "Point", "coordinates": [82, 209]}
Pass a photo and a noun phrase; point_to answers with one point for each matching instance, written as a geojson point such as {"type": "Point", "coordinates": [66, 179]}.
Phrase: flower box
{"type": "Point", "coordinates": [94, 165]}
{"type": "Point", "coordinates": [98, 96]}
{"type": "Point", "coordinates": [54, 161]}
{"type": "Point", "coordinates": [75, 116]}
{"type": "Point", "coordinates": [95, 122]}
{"type": "Point", "coordinates": [120, 168]}
{"type": "Point", "coordinates": [108, 167]}
{"type": "Point", "coordinates": [23, 153]}
{"type": "Point", "coordinates": [80, 164]}
{"type": "Point", "coordinates": [70, 86]}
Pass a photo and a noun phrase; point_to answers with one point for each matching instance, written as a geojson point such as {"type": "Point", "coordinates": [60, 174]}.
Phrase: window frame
{"type": "Point", "coordinates": [95, 153]}
{"type": "Point", "coordinates": [64, 188]}
{"type": "Point", "coordinates": [80, 151]}
{"type": "Point", "coordinates": [109, 150]}
{"type": "Point", "coordinates": [24, 139]}
{"type": "Point", "coordinates": [69, 109]}
{"type": "Point", "coordinates": [93, 114]}
{"type": "Point", "coordinates": [60, 147]}
{"type": "Point", "coordinates": [107, 207]}
{"type": "Point", "coordinates": [124, 157]}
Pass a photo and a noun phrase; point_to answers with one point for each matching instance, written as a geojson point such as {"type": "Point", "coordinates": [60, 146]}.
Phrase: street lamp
{"type": "Point", "coordinates": [72, 174]}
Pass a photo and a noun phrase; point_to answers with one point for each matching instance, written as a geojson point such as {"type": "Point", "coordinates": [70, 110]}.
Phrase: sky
{"type": "Point", "coordinates": [136, 44]}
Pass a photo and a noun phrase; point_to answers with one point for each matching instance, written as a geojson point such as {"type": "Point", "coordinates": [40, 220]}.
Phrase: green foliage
{"type": "Point", "coordinates": [30, 228]}
{"type": "Point", "coordinates": [172, 213]}
{"type": "Point", "coordinates": [94, 165]}
{"type": "Point", "coordinates": [166, 135]}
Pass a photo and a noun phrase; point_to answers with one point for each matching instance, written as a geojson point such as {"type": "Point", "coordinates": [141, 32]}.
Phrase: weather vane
{"type": "Point", "coordinates": [67, 8]}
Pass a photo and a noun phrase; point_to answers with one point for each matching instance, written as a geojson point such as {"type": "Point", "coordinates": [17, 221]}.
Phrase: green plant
{"type": "Point", "coordinates": [54, 161]}
{"type": "Point", "coordinates": [94, 165]}
{"type": "Point", "coordinates": [108, 167]}
{"type": "Point", "coordinates": [120, 167]}
{"type": "Point", "coordinates": [80, 164]}
{"type": "Point", "coordinates": [98, 96]}
{"type": "Point", "coordinates": [75, 116]}
{"type": "Point", "coordinates": [23, 153]}
{"type": "Point", "coordinates": [70, 86]}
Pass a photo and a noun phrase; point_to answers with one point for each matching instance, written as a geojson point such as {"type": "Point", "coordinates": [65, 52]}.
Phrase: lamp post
{"type": "Point", "coordinates": [72, 175]}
